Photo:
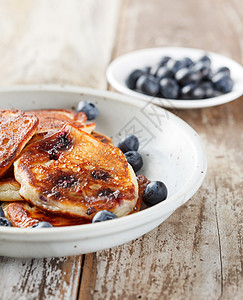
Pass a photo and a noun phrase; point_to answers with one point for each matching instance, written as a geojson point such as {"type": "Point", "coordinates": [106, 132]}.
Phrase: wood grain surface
{"type": "Point", "coordinates": [197, 252]}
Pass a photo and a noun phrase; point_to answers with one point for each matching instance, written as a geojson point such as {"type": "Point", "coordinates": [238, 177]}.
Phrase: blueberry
{"type": "Point", "coordinates": [146, 70]}
{"type": "Point", "coordinates": [134, 159]}
{"type": "Point", "coordinates": [42, 225]}
{"type": "Point", "coordinates": [133, 77]}
{"type": "Point", "coordinates": [154, 193]}
{"type": "Point", "coordinates": [103, 215]}
{"type": "Point", "coordinates": [207, 86]}
{"type": "Point", "coordinates": [148, 85]}
{"type": "Point", "coordinates": [1, 212]}
{"type": "Point", "coordinates": [154, 69]}
{"type": "Point", "coordinates": [5, 222]}
{"type": "Point", "coordinates": [175, 65]}
{"type": "Point", "coordinates": [164, 60]}
{"type": "Point", "coordinates": [169, 88]}
{"type": "Point", "coordinates": [185, 76]}
{"type": "Point", "coordinates": [201, 67]}
{"type": "Point", "coordinates": [89, 109]}
{"type": "Point", "coordinates": [224, 70]}
{"type": "Point", "coordinates": [129, 143]}
{"type": "Point", "coordinates": [217, 93]}
{"type": "Point", "coordinates": [206, 60]}
{"type": "Point", "coordinates": [222, 83]}
{"type": "Point", "coordinates": [164, 72]}
{"type": "Point", "coordinates": [186, 91]}
{"type": "Point", "coordinates": [198, 93]}
{"type": "Point", "coordinates": [187, 62]}
{"type": "Point", "coordinates": [209, 75]}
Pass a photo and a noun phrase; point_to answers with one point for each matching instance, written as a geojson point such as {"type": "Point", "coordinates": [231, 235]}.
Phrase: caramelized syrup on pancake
{"type": "Point", "coordinates": [16, 129]}
{"type": "Point", "coordinates": [23, 215]}
{"type": "Point", "coordinates": [73, 173]}
{"type": "Point", "coordinates": [53, 120]}
{"type": "Point", "coordinates": [101, 137]}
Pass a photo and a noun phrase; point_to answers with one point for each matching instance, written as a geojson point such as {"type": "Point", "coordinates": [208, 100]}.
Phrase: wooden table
{"type": "Point", "coordinates": [197, 252]}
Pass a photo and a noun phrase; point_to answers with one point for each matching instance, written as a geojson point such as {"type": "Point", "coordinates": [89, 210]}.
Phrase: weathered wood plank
{"type": "Point", "coordinates": [68, 42]}
{"type": "Point", "coordinates": [27, 279]}
{"type": "Point", "coordinates": [197, 252]}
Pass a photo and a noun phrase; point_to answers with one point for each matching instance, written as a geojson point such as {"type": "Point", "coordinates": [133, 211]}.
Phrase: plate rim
{"type": "Point", "coordinates": [173, 103]}
{"type": "Point", "coordinates": [124, 223]}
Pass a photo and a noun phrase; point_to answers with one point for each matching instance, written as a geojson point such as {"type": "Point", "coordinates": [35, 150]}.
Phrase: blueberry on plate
{"type": "Point", "coordinates": [222, 83]}
{"type": "Point", "coordinates": [129, 143]}
{"type": "Point", "coordinates": [1, 212]}
{"type": "Point", "coordinates": [148, 85]}
{"type": "Point", "coordinates": [89, 109]}
{"type": "Point", "coordinates": [154, 193]}
{"type": "Point", "coordinates": [103, 215]}
{"type": "Point", "coordinates": [133, 77]}
{"type": "Point", "coordinates": [42, 225]}
{"type": "Point", "coordinates": [169, 88]}
{"type": "Point", "coordinates": [5, 222]}
{"type": "Point", "coordinates": [134, 159]}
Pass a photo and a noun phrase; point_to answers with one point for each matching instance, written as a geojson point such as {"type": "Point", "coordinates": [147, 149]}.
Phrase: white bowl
{"type": "Point", "coordinates": [122, 66]}
{"type": "Point", "coordinates": [171, 149]}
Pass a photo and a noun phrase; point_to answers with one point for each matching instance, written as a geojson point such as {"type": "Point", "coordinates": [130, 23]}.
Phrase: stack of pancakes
{"type": "Point", "coordinates": [55, 168]}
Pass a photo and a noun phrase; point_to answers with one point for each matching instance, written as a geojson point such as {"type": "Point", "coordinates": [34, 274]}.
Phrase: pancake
{"type": "Point", "coordinates": [75, 174]}
{"type": "Point", "coordinates": [22, 214]}
{"type": "Point", "coordinates": [53, 120]}
{"type": "Point", "coordinates": [16, 129]}
{"type": "Point", "coordinates": [59, 114]}
{"type": "Point", "coordinates": [103, 138]}
{"type": "Point", "coordinates": [9, 190]}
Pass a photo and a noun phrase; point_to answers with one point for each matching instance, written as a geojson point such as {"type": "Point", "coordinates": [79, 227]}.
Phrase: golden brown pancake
{"type": "Point", "coordinates": [22, 214]}
{"type": "Point", "coordinates": [53, 120]}
{"type": "Point", "coordinates": [16, 129]}
{"type": "Point", "coordinates": [59, 114]}
{"type": "Point", "coordinates": [9, 190]}
{"type": "Point", "coordinates": [73, 173]}
{"type": "Point", "coordinates": [103, 138]}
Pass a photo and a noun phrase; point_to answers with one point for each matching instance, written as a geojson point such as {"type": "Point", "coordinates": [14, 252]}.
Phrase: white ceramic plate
{"type": "Point", "coordinates": [171, 149]}
{"type": "Point", "coordinates": [122, 66]}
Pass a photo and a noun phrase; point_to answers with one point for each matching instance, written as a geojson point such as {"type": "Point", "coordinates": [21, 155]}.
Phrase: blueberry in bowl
{"type": "Point", "coordinates": [182, 79]}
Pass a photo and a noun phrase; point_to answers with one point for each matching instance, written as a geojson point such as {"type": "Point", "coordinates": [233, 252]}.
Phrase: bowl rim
{"type": "Point", "coordinates": [174, 103]}
{"type": "Point", "coordinates": [88, 231]}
